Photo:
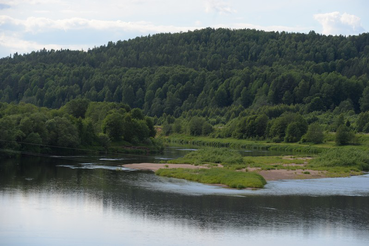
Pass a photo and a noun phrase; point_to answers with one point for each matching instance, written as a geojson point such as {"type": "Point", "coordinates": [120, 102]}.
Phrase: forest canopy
{"type": "Point", "coordinates": [254, 84]}
{"type": "Point", "coordinates": [210, 68]}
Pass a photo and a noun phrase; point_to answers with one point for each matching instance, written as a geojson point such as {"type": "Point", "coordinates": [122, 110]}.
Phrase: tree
{"type": "Point", "coordinates": [136, 113]}
{"type": "Point", "coordinates": [293, 133]}
{"type": "Point", "coordinates": [113, 126]}
{"type": "Point", "coordinates": [77, 107]}
{"type": "Point", "coordinates": [32, 143]}
{"type": "Point", "coordinates": [195, 126]}
{"type": "Point", "coordinates": [315, 133]}
{"type": "Point", "coordinates": [278, 129]}
{"type": "Point", "coordinates": [364, 100]}
{"type": "Point", "coordinates": [344, 135]}
{"type": "Point", "coordinates": [221, 97]}
{"type": "Point", "coordinates": [339, 122]}
{"type": "Point", "coordinates": [62, 133]}
{"type": "Point", "coordinates": [362, 121]}
{"type": "Point", "coordinates": [150, 125]}
{"type": "Point", "coordinates": [316, 104]}
{"type": "Point", "coordinates": [9, 134]}
{"type": "Point", "coordinates": [206, 129]}
{"type": "Point", "coordinates": [246, 98]}
{"type": "Point", "coordinates": [104, 140]}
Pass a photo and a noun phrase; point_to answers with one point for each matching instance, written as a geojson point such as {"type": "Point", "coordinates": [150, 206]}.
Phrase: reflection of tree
{"type": "Point", "coordinates": [128, 192]}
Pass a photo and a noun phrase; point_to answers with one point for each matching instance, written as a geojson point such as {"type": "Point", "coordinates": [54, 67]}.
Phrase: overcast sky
{"type": "Point", "coordinates": [27, 25]}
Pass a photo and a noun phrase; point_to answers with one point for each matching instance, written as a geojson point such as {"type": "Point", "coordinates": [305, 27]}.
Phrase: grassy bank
{"type": "Point", "coordinates": [232, 179]}
{"type": "Point", "coordinates": [333, 162]}
{"type": "Point", "coordinates": [342, 161]}
{"type": "Point", "coordinates": [245, 144]}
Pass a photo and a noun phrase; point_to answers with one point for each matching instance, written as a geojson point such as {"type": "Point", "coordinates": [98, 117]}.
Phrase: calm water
{"type": "Point", "coordinates": [91, 201]}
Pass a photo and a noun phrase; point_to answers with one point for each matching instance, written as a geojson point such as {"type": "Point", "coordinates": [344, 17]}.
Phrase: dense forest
{"type": "Point", "coordinates": [251, 84]}
{"type": "Point", "coordinates": [79, 126]}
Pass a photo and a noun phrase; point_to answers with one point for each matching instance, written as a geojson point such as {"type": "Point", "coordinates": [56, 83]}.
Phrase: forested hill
{"type": "Point", "coordinates": [204, 69]}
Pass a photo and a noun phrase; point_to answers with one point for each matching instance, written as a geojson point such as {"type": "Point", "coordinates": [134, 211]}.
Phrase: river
{"type": "Point", "coordinates": [80, 200]}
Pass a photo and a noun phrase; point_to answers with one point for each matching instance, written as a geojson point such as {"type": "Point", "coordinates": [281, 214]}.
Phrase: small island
{"type": "Point", "coordinates": [228, 168]}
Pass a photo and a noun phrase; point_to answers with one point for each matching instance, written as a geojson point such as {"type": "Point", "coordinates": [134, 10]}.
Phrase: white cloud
{"type": "Point", "coordinates": [336, 23]}
{"type": "Point", "coordinates": [218, 6]}
{"type": "Point", "coordinates": [13, 44]}
{"type": "Point", "coordinates": [40, 24]}
{"type": "Point", "coordinates": [31, 2]}
{"type": "Point", "coordinates": [35, 33]}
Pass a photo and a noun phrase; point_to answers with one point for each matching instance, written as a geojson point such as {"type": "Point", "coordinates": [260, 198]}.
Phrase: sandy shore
{"type": "Point", "coordinates": [267, 174]}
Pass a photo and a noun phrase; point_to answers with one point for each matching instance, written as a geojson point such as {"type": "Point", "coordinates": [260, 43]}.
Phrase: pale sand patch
{"type": "Point", "coordinates": [291, 174]}
{"type": "Point", "coordinates": [156, 166]}
{"type": "Point", "coordinates": [267, 174]}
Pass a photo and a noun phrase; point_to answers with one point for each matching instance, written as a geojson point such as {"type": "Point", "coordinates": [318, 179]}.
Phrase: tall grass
{"type": "Point", "coordinates": [353, 158]}
{"type": "Point", "coordinates": [232, 179]}
{"type": "Point", "coordinates": [211, 156]}
{"type": "Point", "coordinates": [242, 144]}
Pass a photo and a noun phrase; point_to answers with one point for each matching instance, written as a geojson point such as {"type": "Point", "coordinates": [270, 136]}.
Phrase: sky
{"type": "Point", "coordinates": [31, 25]}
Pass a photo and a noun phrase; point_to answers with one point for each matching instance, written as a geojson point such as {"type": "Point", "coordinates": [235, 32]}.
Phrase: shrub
{"type": "Point", "coordinates": [344, 135]}
{"type": "Point", "coordinates": [343, 157]}
{"type": "Point", "coordinates": [207, 156]}
{"type": "Point", "coordinates": [315, 133]}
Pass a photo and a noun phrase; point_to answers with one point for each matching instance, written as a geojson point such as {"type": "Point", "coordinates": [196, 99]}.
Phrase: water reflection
{"type": "Point", "coordinates": [51, 202]}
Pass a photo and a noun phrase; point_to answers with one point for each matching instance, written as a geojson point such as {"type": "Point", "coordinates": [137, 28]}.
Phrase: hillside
{"type": "Point", "coordinates": [212, 70]}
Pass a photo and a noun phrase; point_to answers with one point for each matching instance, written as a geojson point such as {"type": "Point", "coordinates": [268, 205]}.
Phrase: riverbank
{"type": "Point", "coordinates": [269, 175]}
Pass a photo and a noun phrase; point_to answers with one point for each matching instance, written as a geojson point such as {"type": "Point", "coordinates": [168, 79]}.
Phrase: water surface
{"type": "Point", "coordinates": [92, 201]}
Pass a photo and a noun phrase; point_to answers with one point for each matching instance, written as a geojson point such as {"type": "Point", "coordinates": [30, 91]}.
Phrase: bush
{"type": "Point", "coordinates": [293, 133]}
{"type": "Point", "coordinates": [344, 135]}
{"type": "Point", "coordinates": [206, 129]}
{"type": "Point", "coordinates": [314, 134]}
{"type": "Point", "coordinates": [343, 157]}
{"type": "Point", "coordinates": [214, 155]}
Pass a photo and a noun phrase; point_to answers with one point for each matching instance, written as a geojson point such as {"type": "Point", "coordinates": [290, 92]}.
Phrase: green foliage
{"type": "Point", "coordinates": [113, 126]}
{"type": "Point", "coordinates": [25, 127]}
{"type": "Point", "coordinates": [176, 73]}
{"type": "Point", "coordinates": [104, 140]}
{"type": "Point", "coordinates": [212, 155]}
{"type": "Point", "coordinates": [343, 157]}
{"type": "Point", "coordinates": [166, 129]}
{"type": "Point", "coordinates": [137, 114]}
{"type": "Point", "coordinates": [364, 100]}
{"type": "Point", "coordinates": [255, 88]}
{"type": "Point", "coordinates": [315, 133]}
{"type": "Point", "coordinates": [232, 179]}
{"type": "Point", "coordinates": [199, 126]}
{"type": "Point", "coordinates": [293, 132]}
{"type": "Point", "coordinates": [32, 143]}
{"type": "Point", "coordinates": [289, 127]}
{"type": "Point", "coordinates": [150, 126]}
{"type": "Point", "coordinates": [251, 126]}
{"type": "Point", "coordinates": [362, 124]}
{"type": "Point", "coordinates": [316, 104]}
{"type": "Point", "coordinates": [344, 135]}
{"type": "Point", "coordinates": [77, 107]}
{"type": "Point", "coordinates": [62, 133]}
{"type": "Point", "coordinates": [9, 134]}
{"type": "Point", "coordinates": [340, 121]}
{"type": "Point", "coordinates": [206, 129]}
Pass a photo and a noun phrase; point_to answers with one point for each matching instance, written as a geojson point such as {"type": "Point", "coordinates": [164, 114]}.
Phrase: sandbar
{"type": "Point", "coordinates": [269, 175]}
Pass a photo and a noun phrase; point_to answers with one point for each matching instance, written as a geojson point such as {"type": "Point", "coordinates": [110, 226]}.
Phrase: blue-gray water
{"type": "Point", "coordinates": [91, 201]}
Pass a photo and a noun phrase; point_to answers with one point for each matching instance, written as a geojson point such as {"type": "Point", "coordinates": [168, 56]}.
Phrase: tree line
{"type": "Point", "coordinates": [225, 83]}
{"type": "Point", "coordinates": [79, 125]}
{"type": "Point", "coordinates": [203, 69]}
